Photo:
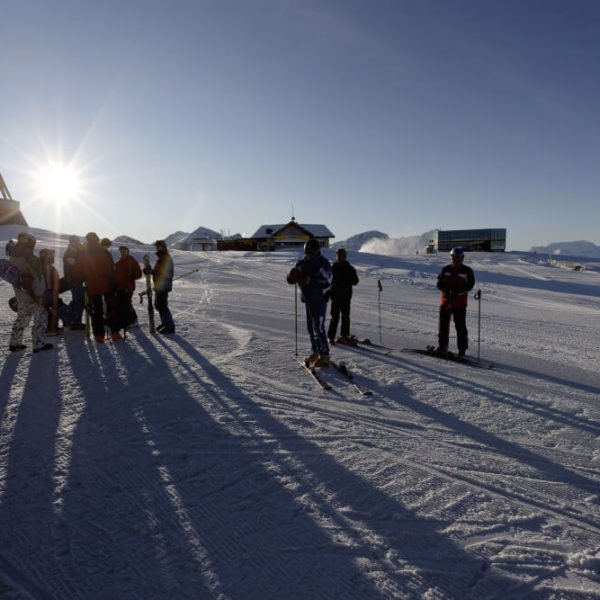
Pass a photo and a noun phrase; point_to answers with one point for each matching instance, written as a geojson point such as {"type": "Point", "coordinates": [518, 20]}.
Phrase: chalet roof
{"type": "Point", "coordinates": [318, 231]}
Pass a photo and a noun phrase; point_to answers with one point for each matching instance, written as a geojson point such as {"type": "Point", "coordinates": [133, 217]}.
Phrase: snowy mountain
{"type": "Point", "coordinates": [175, 237]}
{"type": "Point", "coordinates": [210, 464]}
{"type": "Point", "coordinates": [126, 240]}
{"type": "Point", "coordinates": [581, 248]}
{"type": "Point", "coordinates": [357, 241]}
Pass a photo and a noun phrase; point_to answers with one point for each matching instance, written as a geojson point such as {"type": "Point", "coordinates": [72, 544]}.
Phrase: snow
{"type": "Point", "coordinates": [209, 464]}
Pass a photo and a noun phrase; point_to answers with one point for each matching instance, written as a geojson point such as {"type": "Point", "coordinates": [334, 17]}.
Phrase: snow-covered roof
{"type": "Point", "coordinates": [318, 231]}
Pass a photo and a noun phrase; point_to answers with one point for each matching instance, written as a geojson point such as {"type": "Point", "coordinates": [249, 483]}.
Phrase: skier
{"type": "Point", "coordinates": [127, 271]}
{"type": "Point", "coordinates": [344, 277]}
{"type": "Point", "coordinates": [313, 275]}
{"type": "Point", "coordinates": [96, 268]}
{"type": "Point", "coordinates": [29, 296]}
{"type": "Point", "coordinates": [162, 277]}
{"type": "Point", "coordinates": [72, 253]}
{"type": "Point", "coordinates": [52, 301]}
{"type": "Point", "coordinates": [455, 281]}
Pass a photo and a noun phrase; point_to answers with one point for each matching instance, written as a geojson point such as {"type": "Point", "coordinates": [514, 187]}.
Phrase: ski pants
{"type": "Point", "coordinates": [161, 301]}
{"type": "Point", "coordinates": [76, 306]}
{"type": "Point", "coordinates": [25, 312]}
{"type": "Point", "coordinates": [460, 323]}
{"type": "Point", "coordinates": [339, 306]}
{"type": "Point", "coordinates": [99, 323]}
{"type": "Point", "coordinates": [315, 323]}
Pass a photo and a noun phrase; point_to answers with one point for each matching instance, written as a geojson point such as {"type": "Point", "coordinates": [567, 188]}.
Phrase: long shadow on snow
{"type": "Point", "coordinates": [537, 408]}
{"type": "Point", "coordinates": [27, 503]}
{"type": "Point", "coordinates": [92, 545]}
{"type": "Point", "coordinates": [327, 484]}
{"type": "Point", "coordinates": [162, 498]}
{"type": "Point", "coordinates": [541, 463]}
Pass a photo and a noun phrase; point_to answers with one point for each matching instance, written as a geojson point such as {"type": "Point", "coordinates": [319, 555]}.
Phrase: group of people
{"type": "Point", "coordinates": [320, 281]}
{"type": "Point", "coordinates": [98, 284]}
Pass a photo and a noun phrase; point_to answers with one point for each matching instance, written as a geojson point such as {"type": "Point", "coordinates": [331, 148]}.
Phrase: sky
{"type": "Point", "coordinates": [146, 118]}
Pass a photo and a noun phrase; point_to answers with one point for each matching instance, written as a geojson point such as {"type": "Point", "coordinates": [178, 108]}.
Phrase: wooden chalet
{"type": "Point", "coordinates": [290, 235]}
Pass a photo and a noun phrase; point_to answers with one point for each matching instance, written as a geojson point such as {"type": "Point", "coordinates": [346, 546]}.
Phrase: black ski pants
{"type": "Point", "coordinates": [98, 304]}
{"type": "Point", "coordinates": [339, 306]}
{"type": "Point", "coordinates": [460, 323]}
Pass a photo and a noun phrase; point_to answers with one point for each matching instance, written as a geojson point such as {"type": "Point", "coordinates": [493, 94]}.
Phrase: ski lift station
{"type": "Point", "coordinates": [470, 240]}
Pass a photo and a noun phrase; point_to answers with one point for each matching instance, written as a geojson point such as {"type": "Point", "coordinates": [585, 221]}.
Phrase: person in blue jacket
{"type": "Point", "coordinates": [313, 274]}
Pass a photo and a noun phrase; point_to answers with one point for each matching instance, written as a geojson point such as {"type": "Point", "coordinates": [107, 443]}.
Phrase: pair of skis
{"type": "Point", "coordinates": [340, 368]}
{"type": "Point", "coordinates": [428, 351]}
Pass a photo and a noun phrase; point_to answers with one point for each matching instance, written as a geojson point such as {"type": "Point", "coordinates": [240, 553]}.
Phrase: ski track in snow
{"type": "Point", "coordinates": [209, 464]}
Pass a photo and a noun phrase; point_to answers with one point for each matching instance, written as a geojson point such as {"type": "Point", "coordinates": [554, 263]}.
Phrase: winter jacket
{"type": "Point", "coordinates": [314, 276]}
{"type": "Point", "coordinates": [455, 282]}
{"type": "Point", "coordinates": [162, 274]}
{"type": "Point", "coordinates": [127, 270]}
{"type": "Point", "coordinates": [70, 257]}
{"type": "Point", "coordinates": [344, 277]}
{"type": "Point", "coordinates": [30, 266]}
{"type": "Point", "coordinates": [96, 268]}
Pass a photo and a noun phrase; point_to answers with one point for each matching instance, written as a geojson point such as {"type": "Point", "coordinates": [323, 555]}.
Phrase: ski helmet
{"type": "Point", "coordinates": [457, 252]}
{"type": "Point", "coordinates": [312, 246]}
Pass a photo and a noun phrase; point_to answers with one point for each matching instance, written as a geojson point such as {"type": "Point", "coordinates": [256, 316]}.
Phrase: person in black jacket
{"type": "Point", "coordinates": [344, 277]}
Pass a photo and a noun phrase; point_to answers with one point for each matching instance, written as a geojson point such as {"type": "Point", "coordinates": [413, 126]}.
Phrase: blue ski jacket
{"type": "Point", "coordinates": [314, 277]}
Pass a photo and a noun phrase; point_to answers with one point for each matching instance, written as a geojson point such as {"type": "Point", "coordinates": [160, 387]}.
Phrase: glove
{"type": "Point", "coordinates": [147, 271]}
{"type": "Point", "coordinates": [295, 276]}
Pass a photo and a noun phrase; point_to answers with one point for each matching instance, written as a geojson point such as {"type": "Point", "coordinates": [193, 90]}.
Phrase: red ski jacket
{"type": "Point", "coordinates": [127, 270]}
{"type": "Point", "coordinates": [96, 268]}
{"type": "Point", "coordinates": [455, 282]}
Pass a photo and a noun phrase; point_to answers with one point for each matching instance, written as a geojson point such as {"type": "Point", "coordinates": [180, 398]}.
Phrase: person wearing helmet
{"type": "Point", "coordinates": [70, 256]}
{"type": "Point", "coordinates": [455, 281]}
{"type": "Point", "coordinates": [313, 274]}
{"type": "Point", "coordinates": [29, 296]}
{"type": "Point", "coordinates": [162, 277]}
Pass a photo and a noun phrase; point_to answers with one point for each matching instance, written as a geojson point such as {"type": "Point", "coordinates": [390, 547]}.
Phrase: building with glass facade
{"type": "Point", "coordinates": [470, 240]}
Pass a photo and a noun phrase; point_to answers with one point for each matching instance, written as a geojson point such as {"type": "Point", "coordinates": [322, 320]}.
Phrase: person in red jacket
{"type": "Point", "coordinates": [455, 282]}
{"type": "Point", "coordinates": [127, 271]}
{"type": "Point", "coordinates": [96, 268]}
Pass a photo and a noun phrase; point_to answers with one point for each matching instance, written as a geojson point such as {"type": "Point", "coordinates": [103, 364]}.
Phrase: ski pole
{"type": "Point", "coordinates": [380, 289]}
{"type": "Point", "coordinates": [145, 292]}
{"type": "Point", "coordinates": [477, 297]}
{"type": "Point", "coordinates": [296, 314]}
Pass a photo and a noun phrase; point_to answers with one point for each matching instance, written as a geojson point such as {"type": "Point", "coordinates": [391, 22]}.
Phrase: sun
{"type": "Point", "coordinates": [58, 183]}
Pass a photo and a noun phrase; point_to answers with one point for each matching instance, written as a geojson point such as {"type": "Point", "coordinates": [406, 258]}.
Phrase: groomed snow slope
{"type": "Point", "coordinates": [209, 464]}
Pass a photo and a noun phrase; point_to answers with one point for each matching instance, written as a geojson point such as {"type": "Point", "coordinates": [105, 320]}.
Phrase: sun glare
{"type": "Point", "coordinates": [58, 183]}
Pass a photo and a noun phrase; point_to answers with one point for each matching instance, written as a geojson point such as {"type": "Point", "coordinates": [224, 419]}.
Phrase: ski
{"type": "Point", "coordinates": [431, 351]}
{"type": "Point", "coordinates": [147, 267]}
{"type": "Point", "coordinates": [368, 342]}
{"type": "Point", "coordinates": [343, 369]}
{"type": "Point", "coordinates": [313, 372]}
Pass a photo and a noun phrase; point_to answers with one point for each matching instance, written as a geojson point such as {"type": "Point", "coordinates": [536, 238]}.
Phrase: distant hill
{"type": "Point", "coordinates": [203, 232]}
{"type": "Point", "coordinates": [126, 241]}
{"type": "Point", "coordinates": [357, 241]}
{"type": "Point", "coordinates": [175, 237]}
{"type": "Point", "coordinates": [580, 248]}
